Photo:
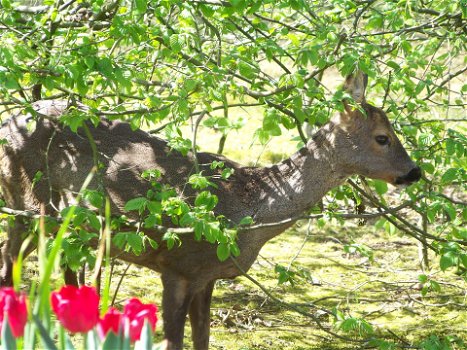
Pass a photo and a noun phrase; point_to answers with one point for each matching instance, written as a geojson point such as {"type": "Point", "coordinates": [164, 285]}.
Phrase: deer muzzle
{"type": "Point", "coordinates": [412, 176]}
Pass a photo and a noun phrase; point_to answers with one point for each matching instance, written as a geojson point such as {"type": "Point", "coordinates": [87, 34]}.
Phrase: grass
{"type": "Point", "coordinates": [385, 291]}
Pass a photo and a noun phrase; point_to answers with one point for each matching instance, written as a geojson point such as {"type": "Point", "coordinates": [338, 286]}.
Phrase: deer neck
{"type": "Point", "coordinates": [296, 184]}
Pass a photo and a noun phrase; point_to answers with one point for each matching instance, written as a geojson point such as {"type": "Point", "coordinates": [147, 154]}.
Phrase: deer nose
{"type": "Point", "coordinates": [412, 176]}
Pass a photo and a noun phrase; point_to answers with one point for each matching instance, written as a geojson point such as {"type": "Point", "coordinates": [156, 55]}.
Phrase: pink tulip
{"type": "Point", "coordinates": [14, 306]}
{"type": "Point", "coordinates": [76, 308]}
{"type": "Point", "coordinates": [136, 312]}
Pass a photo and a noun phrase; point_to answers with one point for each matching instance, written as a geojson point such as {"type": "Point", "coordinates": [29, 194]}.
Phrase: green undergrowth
{"type": "Point", "coordinates": [384, 290]}
{"type": "Point", "coordinates": [380, 285]}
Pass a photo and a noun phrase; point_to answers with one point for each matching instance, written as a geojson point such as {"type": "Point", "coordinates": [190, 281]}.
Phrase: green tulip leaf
{"type": "Point", "coordinates": [47, 342]}
{"type": "Point", "coordinates": [8, 340]}
{"type": "Point", "coordinates": [145, 342]}
{"type": "Point", "coordinates": [112, 341]}
{"type": "Point", "coordinates": [126, 336]}
{"type": "Point", "coordinates": [92, 342]}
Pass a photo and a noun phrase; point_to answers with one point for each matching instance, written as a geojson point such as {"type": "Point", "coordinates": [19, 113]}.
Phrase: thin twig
{"type": "Point", "coordinates": [291, 306]}
{"type": "Point", "coordinates": [120, 283]}
{"type": "Point", "coordinates": [195, 133]}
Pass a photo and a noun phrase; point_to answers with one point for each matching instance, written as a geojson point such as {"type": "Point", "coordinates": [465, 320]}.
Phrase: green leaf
{"type": "Point", "coordinates": [237, 3]}
{"type": "Point", "coordinates": [199, 230]}
{"type": "Point", "coordinates": [11, 83]}
{"type": "Point", "coordinates": [246, 221]}
{"type": "Point", "coordinates": [153, 174]}
{"type": "Point", "coordinates": [93, 221]}
{"type": "Point", "coordinates": [435, 343]}
{"type": "Point", "coordinates": [448, 260]}
{"type": "Point", "coordinates": [247, 70]}
{"type": "Point", "coordinates": [65, 342]}
{"type": "Point", "coordinates": [6, 4]}
{"type": "Point", "coordinates": [135, 242]}
{"type": "Point", "coordinates": [211, 232]}
{"type": "Point", "coordinates": [141, 5]}
{"type": "Point", "coordinates": [450, 146]}
{"type": "Point", "coordinates": [449, 208]}
{"type": "Point", "coordinates": [152, 243]}
{"type": "Point", "coordinates": [423, 278]}
{"type": "Point", "coordinates": [381, 187]}
{"type": "Point", "coordinates": [112, 341]}
{"type": "Point", "coordinates": [136, 204]}
{"type": "Point", "coordinates": [393, 65]}
{"type": "Point", "coordinates": [206, 199]}
{"type": "Point", "coordinates": [463, 258]}
{"type": "Point", "coordinates": [95, 198]}
{"type": "Point", "coordinates": [226, 173]}
{"type": "Point", "coordinates": [263, 136]}
{"type": "Point", "coordinates": [190, 84]}
{"type": "Point", "coordinates": [285, 275]}
{"type": "Point", "coordinates": [171, 238]}
{"type": "Point", "coordinates": [198, 181]}
{"type": "Point", "coordinates": [8, 340]}
{"type": "Point", "coordinates": [92, 343]}
{"type": "Point", "coordinates": [126, 343]}
{"type": "Point", "coordinates": [187, 219]}
{"type": "Point", "coordinates": [47, 342]}
{"type": "Point", "coordinates": [175, 43]}
{"type": "Point", "coordinates": [145, 342]}
{"type": "Point", "coordinates": [223, 251]}
{"type": "Point", "coordinates": [234, 249]}
{"type": "Point", "coordinates": [271, 123]}
{"type": "Point", "coordinates": [356, 325]}
{"type": "Point", "coordinates": [428, 167]}
{"type": "Point", "coordinates": [154, 207]}
{"type": "Point", "coordinates": [216, 164]}
{"type": "Point", "coordinates": [119, 240]}
{"type": "Point", "coordinates": [460, 149]}
{"type": "Point", "coordinates": [79, 217]}
{"type": "Point", "coordinates": [449, 176]}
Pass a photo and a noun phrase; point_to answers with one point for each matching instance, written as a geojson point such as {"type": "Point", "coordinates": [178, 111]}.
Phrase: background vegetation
{"type": "Point", "coordinates": [213, 73]}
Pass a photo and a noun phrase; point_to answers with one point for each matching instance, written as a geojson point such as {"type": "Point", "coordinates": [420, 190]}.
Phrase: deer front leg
{"type": "Point", "coordinates": [71, 277]}
{"type": "Point", "coordinates": [200, 317]}
{"type": "Point", "coordinates": [7, 268]}
{"type": "Point", "coordinates": [176, 300]}
{"type": "Point", "coordinates": [10, 250]}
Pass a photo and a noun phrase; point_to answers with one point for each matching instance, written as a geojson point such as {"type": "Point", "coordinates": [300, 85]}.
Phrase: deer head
{"type": "Point", "coordinates": [367, 142]}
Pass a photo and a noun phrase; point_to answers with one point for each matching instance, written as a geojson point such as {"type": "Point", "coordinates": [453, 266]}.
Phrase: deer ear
{"type": "Point", "coordinates": [355, 85]}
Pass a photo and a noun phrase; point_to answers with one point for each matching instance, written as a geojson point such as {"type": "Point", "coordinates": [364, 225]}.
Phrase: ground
{"type": "Point", "coordinates": [385, 291]}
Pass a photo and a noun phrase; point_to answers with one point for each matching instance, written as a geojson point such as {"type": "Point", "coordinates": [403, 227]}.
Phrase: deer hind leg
{"type": "Point", "coordinates": [10, 250]}
{"type": "Point", "coordinates": [200, 317]}
{"type": "Point", "coordinates": [176, 300]}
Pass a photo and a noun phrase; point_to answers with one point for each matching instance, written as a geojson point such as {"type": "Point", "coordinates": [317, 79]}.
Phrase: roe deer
{"type": "Point", "coordinates": [351, 143]}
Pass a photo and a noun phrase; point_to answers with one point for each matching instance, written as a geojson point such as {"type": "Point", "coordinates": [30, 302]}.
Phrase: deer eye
{"type": "Point", "coordinates": [382, 140]}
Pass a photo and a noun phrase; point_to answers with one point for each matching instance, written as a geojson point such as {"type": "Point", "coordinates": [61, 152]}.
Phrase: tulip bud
{"type": "Point", "coordinates": [14, 306]}
{"type": "Point", "coordinates": [110, 322]}
{"type": "Point", "coordinates": [135, 312]}
{"type": "Point", "coordinates": [76, 308]}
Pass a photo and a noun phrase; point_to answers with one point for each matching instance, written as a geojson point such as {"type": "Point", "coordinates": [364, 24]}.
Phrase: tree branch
{"type": "Point", "coordinates": [129, 223]}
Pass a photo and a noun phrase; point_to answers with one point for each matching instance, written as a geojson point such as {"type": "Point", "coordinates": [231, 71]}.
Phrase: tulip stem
{"type": "Point", "coordinates": [53, 255]}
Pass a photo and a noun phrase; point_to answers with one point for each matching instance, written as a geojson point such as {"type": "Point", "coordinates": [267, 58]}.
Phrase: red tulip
{"type": "Point", "coordinates": [14, 306]}
{"type": "Point", "coordinates": [76, 308]}
{"type": "Point", "coordinates": [110, 322]}
{"type": "Point", "coordinates": [136, 312]}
